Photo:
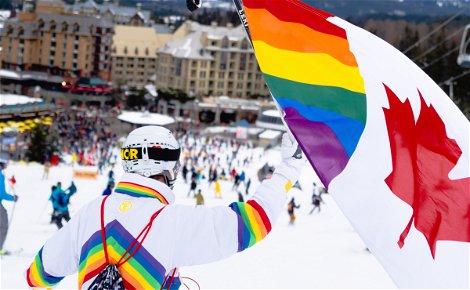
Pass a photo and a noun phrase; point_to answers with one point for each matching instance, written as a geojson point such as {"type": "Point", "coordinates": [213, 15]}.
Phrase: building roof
{"type": "Point", "coordinates": [272, 113]}
{"type": "Point", "coordinates": [84, 23]}
{"type": "Point", "coordinates": [187, 47]}
{"type": "Point", "coordinates": [145, 118]}
{"type": "Point", "coordinates": [139, 41]}
{"type": "Point", "coordinates": [191, 46]}
{"type": "Point", "coordinates": [29, 75]}
{"type": "Point", "coordinates": [270, 134]}
{"type": "Point", "coordinates": [123, 13]}
{"type": "Point", "coordinates": [162, 28]}
{"type": "Point", "coordinates": [11, 99]}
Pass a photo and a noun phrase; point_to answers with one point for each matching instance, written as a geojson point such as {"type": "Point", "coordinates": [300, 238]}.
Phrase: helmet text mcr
{"type": "Point", "coordinates": [129, 153]}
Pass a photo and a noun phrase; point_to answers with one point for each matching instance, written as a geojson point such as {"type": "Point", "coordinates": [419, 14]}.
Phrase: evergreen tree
{"type": "Point", "coordinates": [38, 148]}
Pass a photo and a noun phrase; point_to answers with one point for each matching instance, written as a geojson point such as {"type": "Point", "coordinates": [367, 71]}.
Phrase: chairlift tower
{"type": "Point", "coordinates": [464, 52]}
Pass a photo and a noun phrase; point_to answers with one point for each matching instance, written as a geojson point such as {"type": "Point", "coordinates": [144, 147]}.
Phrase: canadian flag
{"type": "Point", "coordinates": [389, 144]}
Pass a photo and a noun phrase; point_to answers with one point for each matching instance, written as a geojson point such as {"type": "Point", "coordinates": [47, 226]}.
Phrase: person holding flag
{"type": "Point", "coordinates": [4, 223]}
{"type": "Point", "coordinates": [96, 238]}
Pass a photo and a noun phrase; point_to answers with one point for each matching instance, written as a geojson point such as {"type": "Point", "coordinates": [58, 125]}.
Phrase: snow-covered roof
{"type": "Point", "coordinates": [145, 118]}
{"type": "Point", "coordinates": [272, 113]}
{"type": "Point", "coordinates": [11, 99]}
{"type": "Point", "coordinates": [191, 46]}
{"type": "Point", "coordinates": [269, 134]}
{"type": "Point", "coordinates": [152, 90]}
{"type": "Point", "coordinates": [29, 75]}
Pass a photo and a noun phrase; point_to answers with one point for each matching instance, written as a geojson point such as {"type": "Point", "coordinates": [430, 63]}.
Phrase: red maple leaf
{"type": "Point", "coordinates": [422, 157]}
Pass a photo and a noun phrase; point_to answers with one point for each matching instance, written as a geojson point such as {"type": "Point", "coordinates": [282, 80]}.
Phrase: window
{"type": "Point", "coordinates": [74, 66]}
{"type": "Point", "coordinates": [53, 34]}
{"type": "Point", "coordinates": [76, 28]}
{"type": "Point", "coordinates": [244, 44]}
{"type": "Point", "coordinates": [40, 24]}
{"type": "Point", "coordinates": [53, 43]}
{"type": "Point", "coordinates": [75, 55]}
{"type": "Point", "coordinates": [77, 37]}
{"type": "Point", "coordinates": [51, 62]}
{"type": "Point", "coordinates": [202, 74]}
{"type": "Point", "coordinates": [75, 47]}
{"type": "Point", "coordinates": [63, 64]}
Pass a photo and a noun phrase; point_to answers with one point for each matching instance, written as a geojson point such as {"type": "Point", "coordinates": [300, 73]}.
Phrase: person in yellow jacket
{"type": "Point", "coordinates": [217, 189]}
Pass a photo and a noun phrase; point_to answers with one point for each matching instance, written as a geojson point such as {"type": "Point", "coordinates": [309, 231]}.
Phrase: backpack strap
{"type": "Point", "coordinates": [144, 232]}
{"type": "Point", "coordinates": [103, 232]}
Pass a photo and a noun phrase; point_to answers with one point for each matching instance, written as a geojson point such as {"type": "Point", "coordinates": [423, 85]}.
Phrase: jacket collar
{"type": "Point", "coordinates": [138, 186]}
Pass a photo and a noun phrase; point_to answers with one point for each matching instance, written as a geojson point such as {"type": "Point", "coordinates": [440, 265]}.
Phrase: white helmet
{"type": "Point", "coordinates": [151, 150]}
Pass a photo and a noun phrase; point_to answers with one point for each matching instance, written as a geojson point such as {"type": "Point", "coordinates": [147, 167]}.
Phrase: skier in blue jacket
{"type": "Point", "coordinates": [60, 203]}
{"type": "Point", "coordinates": [3, 212]}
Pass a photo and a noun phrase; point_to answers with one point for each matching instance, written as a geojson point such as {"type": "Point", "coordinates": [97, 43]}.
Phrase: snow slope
{"type": "Point", "coordinates": [320, 251]}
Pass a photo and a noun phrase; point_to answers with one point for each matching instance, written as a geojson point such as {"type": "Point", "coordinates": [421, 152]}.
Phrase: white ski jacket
{"type": "Point", "coordinates": [180, 235]}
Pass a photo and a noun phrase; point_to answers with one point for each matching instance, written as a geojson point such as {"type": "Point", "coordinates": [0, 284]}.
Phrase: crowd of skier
{"type": "Point", "coordinates": [205, 162]}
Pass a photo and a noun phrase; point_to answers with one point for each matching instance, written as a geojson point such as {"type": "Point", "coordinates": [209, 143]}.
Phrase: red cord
{"type": "Point", "coordinates": [198, 286]}
{"type": "Point", "coordinates": [171, 279]}
{"type": "Point", "coordinates": [103, 232]}
{"type": "Point", "coordinates": [144, 232]}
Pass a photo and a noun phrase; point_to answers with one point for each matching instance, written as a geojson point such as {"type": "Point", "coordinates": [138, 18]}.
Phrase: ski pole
{"type": "Point", "coordinates": [12, 213]}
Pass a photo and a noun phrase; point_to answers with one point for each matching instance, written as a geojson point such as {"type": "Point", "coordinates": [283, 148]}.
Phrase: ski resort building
{"type": "Point", "coordinates": [210, 60]}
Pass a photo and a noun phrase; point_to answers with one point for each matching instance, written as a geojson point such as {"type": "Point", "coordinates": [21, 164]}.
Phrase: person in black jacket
{"type": "Point", "coordinates": [291, 206]}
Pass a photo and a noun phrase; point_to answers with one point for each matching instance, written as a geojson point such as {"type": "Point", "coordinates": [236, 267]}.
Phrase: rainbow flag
{"type": "Point", "coordinates": [389, 144]}
{"type": "Point", "coordinates": [314, 77]}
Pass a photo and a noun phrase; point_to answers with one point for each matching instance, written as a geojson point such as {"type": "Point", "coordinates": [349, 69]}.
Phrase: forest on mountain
{"type": "Point", "coordinates": [432, 46]}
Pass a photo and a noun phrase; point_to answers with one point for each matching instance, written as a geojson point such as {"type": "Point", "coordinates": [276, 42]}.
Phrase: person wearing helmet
{"type": "Point", "coordinates": [181, 235]}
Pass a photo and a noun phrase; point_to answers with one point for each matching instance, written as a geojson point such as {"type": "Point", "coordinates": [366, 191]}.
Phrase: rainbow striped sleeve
{"type": "Point", "coordinates": [37, 276]}
{"type": "Point", "coordinates": [314, 77]}
{"type": "Point", "coordinates": [253, 223]}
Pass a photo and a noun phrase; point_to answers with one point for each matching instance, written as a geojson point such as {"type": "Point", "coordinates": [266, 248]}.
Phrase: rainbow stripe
{"type": "Point", "coordinates": [137, 190]}
{"type": "Point", "coordinates": [314, 77]}
{"type": "Point", "coordinates": [253, 223]}
{"type": "Point", "coordinates": [37, 276]}
{"type": "Point", "coordinates": [141, 271]}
